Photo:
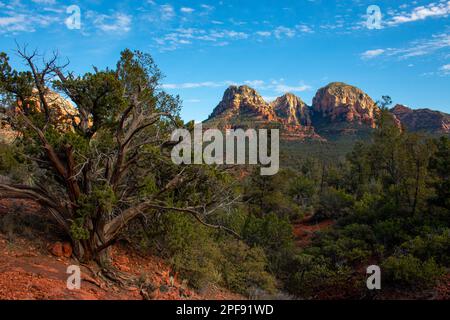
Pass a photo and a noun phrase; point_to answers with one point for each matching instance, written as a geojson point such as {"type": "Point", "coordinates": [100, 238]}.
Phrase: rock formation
{"type": "Point", "coordinates": [63, 113]}
{"type": "Point", "coordinates": [341, 102]}
{"type": "Point", "coordinates": [242, 107]}
{"type": "Point", "coordinates": [243, 100]}
{"type": "Point", "coordinates": [337, 109]}
{"type": "Point", "coordinates": [292, 110]}
{"type": "Point", "coordinates": [422, 120]}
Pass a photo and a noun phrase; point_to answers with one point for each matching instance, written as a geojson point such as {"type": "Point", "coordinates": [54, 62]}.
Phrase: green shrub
{"type": "Point", "coordinates": [11, 165]}
{"type": "Point", "coordinates": [333, 203]}
{"type": "Point", "coordinates": [410, 271]}
{"type": "Point", "coordinates": [274, 235]}
{"type": "Point", "coordinates": [435, 246]}
{"type": "Point", "coordinates": [203, 256]}
{"type": "Point", "coordinates": [243, 268]}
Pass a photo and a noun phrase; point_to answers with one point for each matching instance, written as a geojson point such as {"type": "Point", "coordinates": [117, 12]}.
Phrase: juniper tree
{"type": "Point", "coordinates": [106, 162]}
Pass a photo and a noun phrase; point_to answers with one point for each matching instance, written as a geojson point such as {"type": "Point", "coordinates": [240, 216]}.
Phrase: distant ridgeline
{"type": "Point", "coordinates": [340, 115]}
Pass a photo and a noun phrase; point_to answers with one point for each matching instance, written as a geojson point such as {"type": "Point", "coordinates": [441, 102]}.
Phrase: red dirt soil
{"type": "Point", "coordinates": [29, 271]}
{"type": "Point", "coordinates": [304, 230]}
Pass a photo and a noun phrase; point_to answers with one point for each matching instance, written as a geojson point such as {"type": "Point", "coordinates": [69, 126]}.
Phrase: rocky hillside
{"type": "Point", "coordinates": [7, 135]}
{"type": "Point", "coordinates": [243, 107]}
{"type": "Point", "coordinates": [337, 108]}
{"type": "Point", "coordinates": [341, 102]}
{"type": "Point", "coordinates": [424, 120]}
{"type": "Point", "coordinates": [243, 100]}
{"type": "Point", "coordinates": [292, 110]}
{"type": "Point", "coordinates": [62, 110]}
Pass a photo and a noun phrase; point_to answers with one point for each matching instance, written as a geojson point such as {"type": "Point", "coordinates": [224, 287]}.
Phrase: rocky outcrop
{"type": "Point", "coordinates": [338, 109]}
{"type": "Point", "coordinates": [340, 102]}
{"type": "Point", "coordinates": [63, 114]}
{"type": "Point", "coordinates": [422, 120]}
{"type": "Point", "coordinates": [245, 101]}
{"type": "Point", "coordinates": [292, 110]}
{"type": "Point", "coordinates": [7, 134]}
{"type": "Point", "coordinates": [243, 107]}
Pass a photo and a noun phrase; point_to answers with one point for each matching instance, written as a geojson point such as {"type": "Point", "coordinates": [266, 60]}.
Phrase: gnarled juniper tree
{"type": "Point", "coordinates": [102, 164]}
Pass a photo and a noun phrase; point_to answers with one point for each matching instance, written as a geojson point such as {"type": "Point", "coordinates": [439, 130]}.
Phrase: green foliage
{"type": "Point", "coordinates": [269, 194]}
{"type": "Point", "coordinates": [440, 168]}
{"type": "Point", "coordinates": [12, 163]}
{"type": "Point", "coordinates": [411, 271]}
{"type": "Point", "coordinates": [431, 246]}
{"type": "Point", "coordinates": [101, 199]}
{"type": "Point", "coordinates": [204, 257]}
{"type": "Point", "coordinates": [244, 268]}
{"type": "Point", "coordinates": [389, 199]}
{"type": "Point", "coordinates": [333, 203]}
{"type": "Point", "coordinates": [272, 233]}
{"type": "Point", "coordinates": [310, 276]}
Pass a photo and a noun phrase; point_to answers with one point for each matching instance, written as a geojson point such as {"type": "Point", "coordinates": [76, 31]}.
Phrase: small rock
{"type": "Point", "coordinates": [57, 249]}
{"type": "Point", "coordinates": [67, 249]}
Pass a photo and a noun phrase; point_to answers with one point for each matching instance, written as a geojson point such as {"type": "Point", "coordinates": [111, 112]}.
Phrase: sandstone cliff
{"type": "Point", "coordinates": [422, 120]}
{"type": "Point", "coordinates": [292, 110]}
{"type": "Point", "coordinates": [243, 100]}
{"type": "Point", "coordinates": [242, 107]}
{"type": "Point", "coordinates": [341, 102]}
{"type": "Point", "coordinates": [63, 113]}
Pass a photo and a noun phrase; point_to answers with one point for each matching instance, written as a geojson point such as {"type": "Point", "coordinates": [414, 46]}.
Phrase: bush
{"type": "Point", "coordinates": [10, 165]}
{"type": "Point", "coordinates": [312, 275]}
{"type": "Point", "coordinates": [274, 235]}
{"type": "Point", "coordinates": [243, 268]}
{"type": "Point", "coordinates": [334, 203]}
{"type": "Point", "coordinates": [410, 271]}
{"type": "Point", "coordinates": [435, 246]}
{"type": "Point", "coordinates": [204, 256]}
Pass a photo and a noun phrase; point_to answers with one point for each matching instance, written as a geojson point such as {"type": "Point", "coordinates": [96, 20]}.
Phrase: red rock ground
{"type": "Point", "coordinates": [29, 271]}
{"type": "Point", "coordinates": [304, 230]}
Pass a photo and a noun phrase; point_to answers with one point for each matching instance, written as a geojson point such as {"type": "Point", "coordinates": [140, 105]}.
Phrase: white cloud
{"type": "Point", "coordinates": [207, 7]}
{"type": "Point", "coordinates": [369, 54]}
{"type": "Point", "coordinates": [187, 10]}
{"type": "Point", "coordinates": [274, 86]}
{"type": "Point", "coordinates": [286, 32]}
{"type": "Point", "coordinates": [8, 21]}
{"type": "Point", "coordinates": [16, 22]}
{"type": "Point", "coordinates": [433, 10]}
{"type": "Point", "coordinates": [416, 48]}
{"type": "Point", "coordinates": [182, 36]}
{"type": "Point", "coordinates": [281, 88]}
{"type": "Point", "coordinates": [44, 1]}
{"type": "Point", "coordinates": [257, 84]}
{"type": "Point", "coordinates": [167, 12]}
{"type": "Point", "coordinates": [119, 23]}
{"type": "Point", "coordinates": [304, 28]}
{"type": "Point", "coordinates": [445, 69]}
{"type": "Point", "coordinates": [281, 31]}
{"type": "Point", "coordinates": [264, 33]}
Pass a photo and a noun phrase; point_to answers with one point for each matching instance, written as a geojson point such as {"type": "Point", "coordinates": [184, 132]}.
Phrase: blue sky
{"type": "Point", "coordinates": [275, 46]}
